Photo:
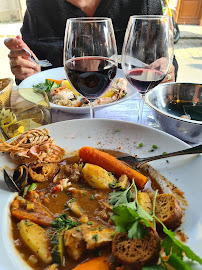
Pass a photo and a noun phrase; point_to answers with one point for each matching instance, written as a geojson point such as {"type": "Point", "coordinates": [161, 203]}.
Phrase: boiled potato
{"type": "Point", "coordinates": [97, 177]}
{"type": "Point", "coordinates": [36, 239]}
{"type": "Point", "coordinates": [122, 183]}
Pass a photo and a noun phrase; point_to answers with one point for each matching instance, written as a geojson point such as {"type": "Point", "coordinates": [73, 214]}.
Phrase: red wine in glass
{"type": "Point", "coordinates": [91, 75]}
{"type": "Point", "coordinates": [147, 53]}
{"type": "Point", "coordinates": [144, 79]}
{"type": "Point", "coordinates": [90, 56]}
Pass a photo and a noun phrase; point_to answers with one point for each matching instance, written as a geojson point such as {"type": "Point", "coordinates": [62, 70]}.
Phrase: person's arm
{"type": "Point", "coordinates": [20, 63]}
{"type": "Point", "coordinates": [154, 7]}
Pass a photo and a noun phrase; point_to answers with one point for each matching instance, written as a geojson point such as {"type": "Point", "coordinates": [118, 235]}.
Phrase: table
{"type": "Point", "coordinates": [126, 111]}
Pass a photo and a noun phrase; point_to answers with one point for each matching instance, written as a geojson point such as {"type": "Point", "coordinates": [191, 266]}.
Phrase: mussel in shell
{"type": "Point", "coordinates": [19, 180]}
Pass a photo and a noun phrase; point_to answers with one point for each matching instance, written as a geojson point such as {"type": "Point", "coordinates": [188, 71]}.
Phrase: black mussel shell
{"type": "Point", "coordinates": [19, 180]}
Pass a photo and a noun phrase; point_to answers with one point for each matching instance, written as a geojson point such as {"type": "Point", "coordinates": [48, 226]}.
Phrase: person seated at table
{"type": "Point", "coordinates": [44, 27]}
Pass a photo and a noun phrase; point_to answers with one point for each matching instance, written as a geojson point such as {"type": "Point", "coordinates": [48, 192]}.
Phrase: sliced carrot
{"type": "Point", "coordinates": [37, 218]}
{"type": "Point", "coordinates": [99, 263]}
{"type": "Point", "coordinates": [111, 164]}
{"type": "Point", "coordinates": [40, 215]}
{"type": "Point", "coordinates": [56, 81]}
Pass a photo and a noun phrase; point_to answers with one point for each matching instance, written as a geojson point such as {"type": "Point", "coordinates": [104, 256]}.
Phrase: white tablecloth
{"type": "Point", "coordinates": [127, 111]}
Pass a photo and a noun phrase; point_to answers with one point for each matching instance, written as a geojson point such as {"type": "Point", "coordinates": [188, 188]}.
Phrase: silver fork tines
{"type": "Point", "coordinates": [42, 63]}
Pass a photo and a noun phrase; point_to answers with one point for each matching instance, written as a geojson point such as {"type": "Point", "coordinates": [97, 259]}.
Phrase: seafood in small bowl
{"type": "Point", "coordinates": [61, 93]}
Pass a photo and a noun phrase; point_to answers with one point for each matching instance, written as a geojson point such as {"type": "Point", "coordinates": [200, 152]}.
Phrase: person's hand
{"type": "Point", "coordinates": [161, 65]}
{"type": "Point", "coordinates": [20, 63]}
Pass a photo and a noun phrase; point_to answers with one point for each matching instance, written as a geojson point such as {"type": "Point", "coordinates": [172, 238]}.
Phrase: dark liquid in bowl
{"type": "Point", "coordinates": [182, 107]}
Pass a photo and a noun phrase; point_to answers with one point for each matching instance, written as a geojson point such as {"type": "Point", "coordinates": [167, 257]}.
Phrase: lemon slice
{"type": "Point", "coordinates": [108, 93]}
{"type": "Point", "coordinates": [33, 95]}
{"type": "Point", "coordinates": [20, 127]}
{"type": "Point", "coordinates": [7, 117]}
{"type": "Point", "coordinates": [68, 85]}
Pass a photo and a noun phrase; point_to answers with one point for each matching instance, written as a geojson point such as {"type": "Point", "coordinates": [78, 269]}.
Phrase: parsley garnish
{"type": "Point", "coordinates": [129, 216]}
{"type": "Point", "coordinates": [140, 144]}
{"type": "Point", "coordinates": [154, 146]}
{"type": "Point", "coordinates": [120, 197]}
{"type": "Point", "coordinates": [111, 185]}
{"type": "Point", "coordinates": [63, 223]}
{"type": "Point", "coordinates": [47, 86]}
{"type": "Point", "coordinates": [90, 223]}
{"type": "Point", "coordinates": [27, 222]}
{"type": "Point", "coordinates": [95, 237]}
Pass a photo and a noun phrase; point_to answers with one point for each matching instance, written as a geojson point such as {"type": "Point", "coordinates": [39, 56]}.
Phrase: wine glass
{"type": "Point", "coordinates": [147, 53]}
{"type": "Point", "coordinates": [90, 56]}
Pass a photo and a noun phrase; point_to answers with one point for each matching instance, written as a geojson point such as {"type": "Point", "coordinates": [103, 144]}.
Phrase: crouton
{"type": "Point", "coordinates": [136, 253]}
{"type": "Point", "coordinates": [42, 172]}
{"type": "Point", "coordinates": [168, 210]}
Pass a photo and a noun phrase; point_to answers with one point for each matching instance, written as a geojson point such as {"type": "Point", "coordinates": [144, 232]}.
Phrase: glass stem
{"type": "Point", "coordinates": [92, 111]}
{"type": "Point", "coordinates": [140, 110]}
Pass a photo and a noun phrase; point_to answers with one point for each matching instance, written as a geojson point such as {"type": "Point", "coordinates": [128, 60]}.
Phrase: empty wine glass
{"type": "Point", "coordinates": [90, 56]}
{"type": "Point", "coordinates": [147, 53]}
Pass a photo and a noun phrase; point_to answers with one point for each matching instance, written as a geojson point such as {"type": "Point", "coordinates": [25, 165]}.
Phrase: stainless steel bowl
{"type": "Point", "coordinates": [172, 100]}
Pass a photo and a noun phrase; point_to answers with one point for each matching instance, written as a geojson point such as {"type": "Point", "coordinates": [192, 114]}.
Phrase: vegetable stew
{"type": "Point", "coordinates": [83, 216]}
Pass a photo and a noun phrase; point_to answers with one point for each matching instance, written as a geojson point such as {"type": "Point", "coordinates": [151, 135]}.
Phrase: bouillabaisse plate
{"type": "Point", "coordinates": [59, 74]}
{"type": "Point", "coordinates": [184, 172]}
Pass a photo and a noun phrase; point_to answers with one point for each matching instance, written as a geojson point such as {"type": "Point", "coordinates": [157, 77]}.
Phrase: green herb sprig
{"type": "Point", "coordinates": [63, 223]}
{"type": "Point", "coordinates": [47, 86]}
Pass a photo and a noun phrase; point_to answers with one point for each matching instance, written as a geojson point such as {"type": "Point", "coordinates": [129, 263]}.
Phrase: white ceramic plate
{"type": "Point", "coordinates": [184, 171]}
{"type": "Point", "coordinates": [59, 74]}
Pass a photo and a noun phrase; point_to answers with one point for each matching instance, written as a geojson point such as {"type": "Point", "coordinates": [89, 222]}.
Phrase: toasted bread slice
{"type": "Point", "coordinates": [168, 210]}
{"type": "Point", "coordinates": [136, 252]}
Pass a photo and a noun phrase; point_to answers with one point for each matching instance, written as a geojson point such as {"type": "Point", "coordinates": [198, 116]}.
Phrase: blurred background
{"type": "Point", "coordinates": [188, 50]}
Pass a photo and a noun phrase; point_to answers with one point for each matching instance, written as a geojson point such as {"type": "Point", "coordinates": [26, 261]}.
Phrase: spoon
{"type": "Point", "coordinates": [137, 162]}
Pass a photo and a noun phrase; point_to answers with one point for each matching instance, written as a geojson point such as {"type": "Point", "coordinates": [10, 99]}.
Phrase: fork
{"type": "Point", "coordinates": [137, 162]}
{"type": "Point", "coordinates": [42, 63]}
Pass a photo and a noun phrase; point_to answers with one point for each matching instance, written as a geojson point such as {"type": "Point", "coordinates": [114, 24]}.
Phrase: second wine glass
{"type": "Point", "coordinates": [90, 56]}
{"type": "Point", "coordinates": [147, 53]}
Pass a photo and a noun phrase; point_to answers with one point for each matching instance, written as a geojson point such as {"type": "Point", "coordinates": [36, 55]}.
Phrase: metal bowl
{"type": "Point", "coordinates": [172, 100]}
